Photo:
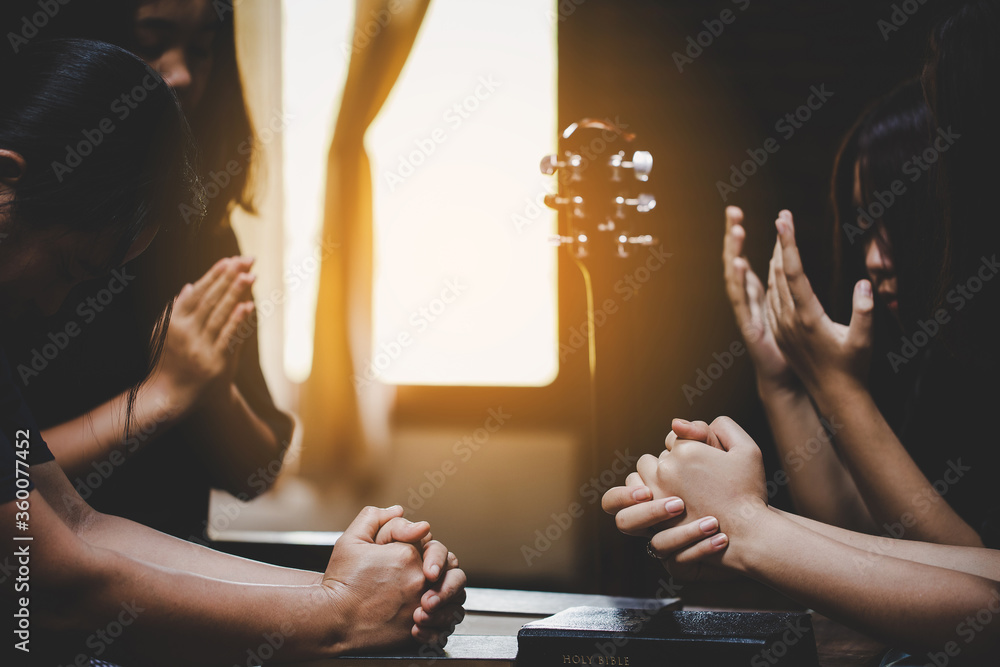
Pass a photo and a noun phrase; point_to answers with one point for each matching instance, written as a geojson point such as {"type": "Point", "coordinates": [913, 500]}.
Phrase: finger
{"type": "Point", "coordinates": [859, 331]}
{"type": "Point", "coordinates": [452, 560]}
{"type": "Point", "coordinates": [698, 430]}
{"type": "Point", "coordinates": [736, 288]}
{"type": "Point", "coordinates": [402, 530]}
{"type": "Point", "coordinates": [668, 541]}
{"type": "Point", "coordinates": [445, 618]}
{"type": "Point", "coordinates": [731, 435]}
{"type": "Point", "coordinates": [639, 519]}
{"type": "Point", "coordinates": [214, 292]}
{"type": "Point", "coordinates": [201, 286]}
{"type": "Point", "coordinates": [732, 246]}
{"type": "Point", "coordinates": [430, 637]}
{"type": "Point", "coordinates": [700, 550]}
{"type": "Point", "coordinates": [621, 497]}
{"type": "Point", "coordinates": [449, 590]}
{"type": "Point", "coordinates": [800, 289]}
{"type": "Point", "coordinates": [670, 441]}
{"type": "Point", "coordinates": [229, 337]}
{"type": "Point", "coordinates": [646, 467]}
{"type": "Point", "coordinates": [435, 560]}
{"type": "Point", "coordinates": [238, 292]}
{"type": "Point", "coordinates": [366, 525]}
{"type": "Point", "coordinates": [781, 288]}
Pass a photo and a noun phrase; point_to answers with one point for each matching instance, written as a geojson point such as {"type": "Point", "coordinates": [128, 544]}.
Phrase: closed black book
{"type": "Point", "coordinates": [601, 637]}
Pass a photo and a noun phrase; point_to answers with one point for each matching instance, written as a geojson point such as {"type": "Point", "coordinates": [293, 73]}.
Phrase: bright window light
{"type": "Point", "coordinates": [315, 50]}
{"type": "Point", "coordinates": [465, 281]}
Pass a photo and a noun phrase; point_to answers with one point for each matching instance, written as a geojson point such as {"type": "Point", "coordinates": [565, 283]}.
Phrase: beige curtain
{"type": "Point", "coordinates": [342, 421]}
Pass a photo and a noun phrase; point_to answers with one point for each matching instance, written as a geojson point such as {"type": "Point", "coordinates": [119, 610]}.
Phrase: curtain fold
{"type": "Point", "coordinates": [345, 416]}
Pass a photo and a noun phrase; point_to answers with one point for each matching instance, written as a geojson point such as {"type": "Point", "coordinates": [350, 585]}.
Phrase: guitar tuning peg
{"type": "Point", "coordinates": [556, 201]}
{"type": "Point", "coordinates": [644, 203]}
{"type": "Point", "coordinates": [642, 164]}
{"type": "Point", "coordinates": [549, 165]}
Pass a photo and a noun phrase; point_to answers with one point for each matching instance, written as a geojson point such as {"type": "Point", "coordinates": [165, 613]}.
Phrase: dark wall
{"type": "Point", "coordinates": [617, 60]}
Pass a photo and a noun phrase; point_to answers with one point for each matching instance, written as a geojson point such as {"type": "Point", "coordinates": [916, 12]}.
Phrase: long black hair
{"type": "Point", "coordinates": [962, 83]}
{"type": "Point", "coordinates": [106, 148]}
{"type": "Point", "coordinates": [887, 147]}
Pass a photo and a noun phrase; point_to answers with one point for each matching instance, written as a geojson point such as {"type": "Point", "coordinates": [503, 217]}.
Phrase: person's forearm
{"type": "Point", "coordinates": [241, 451]}
{"type": "Point", "coordinates": [218, 620]}
{"type": "Point", "coordinates": [894, 489]}
{"type": "Point", "coordinates": [916, 606]}
{"type": "Point", "coordinates": [971, 560]}
{"type": "Point", "coordinates": [96, 435]}
{"type": "Point", "coordinates": [145, 544]}
{"type": "Point", "coordinates": [820, 486]}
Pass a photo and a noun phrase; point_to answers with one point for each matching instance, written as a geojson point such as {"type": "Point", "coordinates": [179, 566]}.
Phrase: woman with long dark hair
{"type": "Point", "coordinates": [926, 597]}
{"type": "Point", "coordinates": [206, 418]}
{"type": "Point", "coordinates": [86, 184]}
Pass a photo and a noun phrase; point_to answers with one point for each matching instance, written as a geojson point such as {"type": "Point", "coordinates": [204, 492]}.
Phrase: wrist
{"type": "Point", "coordinates": [780, 391]}
{"type": "Point", "coordinates": [836, 391]}
{"type": "Point", "coordinates": [747, 529]}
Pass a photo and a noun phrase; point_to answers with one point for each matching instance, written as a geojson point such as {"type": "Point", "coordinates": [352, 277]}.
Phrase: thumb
{"type": "Point", "coordinates": [366, 525]}
{"type": "Point", "coordinates": [860, 329]}
{"type": "Point", "coordinates": [731, 435]}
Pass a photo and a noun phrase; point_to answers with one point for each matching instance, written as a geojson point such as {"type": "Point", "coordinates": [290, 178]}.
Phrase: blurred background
{"type": "Point", "coordinates": [412, 314]}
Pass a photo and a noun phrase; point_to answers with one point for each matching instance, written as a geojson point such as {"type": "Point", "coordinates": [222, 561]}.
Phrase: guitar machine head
{"type": "Point", "coordinates": [599, 189]}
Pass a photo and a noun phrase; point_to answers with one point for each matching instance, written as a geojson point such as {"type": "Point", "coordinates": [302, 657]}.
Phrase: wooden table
{"type": "Point", "coordinates": [488, 635]}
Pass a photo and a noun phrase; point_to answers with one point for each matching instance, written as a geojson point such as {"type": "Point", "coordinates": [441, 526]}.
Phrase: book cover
{"type": "Point", "coordinates": [606, 637]}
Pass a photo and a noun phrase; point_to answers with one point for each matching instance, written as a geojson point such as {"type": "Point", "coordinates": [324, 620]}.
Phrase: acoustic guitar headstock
{"type": "Point", "coordinates": [600, 176]}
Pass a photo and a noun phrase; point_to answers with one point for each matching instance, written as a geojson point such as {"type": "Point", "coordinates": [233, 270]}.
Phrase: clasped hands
{"type": "Point", "coordinates": [704, 491]}
{"type": "Point", "coordinates": [395, 580]}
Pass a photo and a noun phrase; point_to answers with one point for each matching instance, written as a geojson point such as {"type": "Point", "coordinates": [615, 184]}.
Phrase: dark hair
{"type": "Point", "coordinates": [106, 147]}
{"type": "Point", "coordinates": [961, 82]}
{"type": "Point", "coordinates": [882, 146]}
{"type": "Point", "coordinates": [221, 125]}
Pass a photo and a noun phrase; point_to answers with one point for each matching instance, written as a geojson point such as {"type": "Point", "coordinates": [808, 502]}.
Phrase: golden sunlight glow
{"type": "Point", "coordinates": [315, 51]}
{"type": "Point", "coordinates": [465, 282]}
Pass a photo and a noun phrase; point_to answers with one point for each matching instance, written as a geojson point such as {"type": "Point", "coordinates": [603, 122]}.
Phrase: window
{"type": "Point", "coordinates": [465, 281]}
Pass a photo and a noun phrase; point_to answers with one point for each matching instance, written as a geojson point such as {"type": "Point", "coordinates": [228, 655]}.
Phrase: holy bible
{"type": "Point", "coordinates": [605, 637]}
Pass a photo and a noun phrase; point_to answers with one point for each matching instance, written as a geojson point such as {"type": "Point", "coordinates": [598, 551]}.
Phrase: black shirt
{"type": "Point", "coordinates": [20, 438]}
{"type": "Point", "coordinates": [97, 347]}
{"type": "Point", "coordinates": [944, 413]}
